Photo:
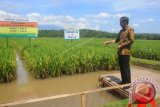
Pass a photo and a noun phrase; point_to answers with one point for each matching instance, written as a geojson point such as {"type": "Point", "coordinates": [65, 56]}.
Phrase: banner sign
{"type": "Point", "coordinates": [18, 27]}
{"type": "Point", "coordinates": [71, 33]}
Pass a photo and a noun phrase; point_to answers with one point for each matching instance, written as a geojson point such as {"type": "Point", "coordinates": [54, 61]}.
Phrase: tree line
{"type": "Point", "coordinates": [95, 33]}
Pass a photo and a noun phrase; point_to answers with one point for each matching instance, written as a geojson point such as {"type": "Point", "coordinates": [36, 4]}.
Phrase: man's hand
{"type": "Point", "coordinates": [120, 46]}
{"type": "Point", "coordinates": [107, 43]}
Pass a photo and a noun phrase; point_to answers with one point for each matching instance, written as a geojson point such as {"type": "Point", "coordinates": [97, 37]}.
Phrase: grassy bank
{"type": "Point", "coordinates": [146, 63]}
{"type": "Point", "coordinates": [124, 103]}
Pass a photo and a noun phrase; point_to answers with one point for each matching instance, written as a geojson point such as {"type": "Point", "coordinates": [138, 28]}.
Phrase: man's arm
{"type": "Point", "coordinates": [112, 41]}
{"type": "Point", "coordinates": [130, 41]}
{"type": "Point", "coordinates": [109, 42]}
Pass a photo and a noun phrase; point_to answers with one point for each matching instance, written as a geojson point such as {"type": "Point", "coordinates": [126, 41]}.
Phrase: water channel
{"type": "Point", "coordinates": [27, 87]}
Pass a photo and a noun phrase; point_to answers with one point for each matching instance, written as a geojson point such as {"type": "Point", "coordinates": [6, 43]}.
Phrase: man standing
{"type": "Point", "coordinates": [125, 39]}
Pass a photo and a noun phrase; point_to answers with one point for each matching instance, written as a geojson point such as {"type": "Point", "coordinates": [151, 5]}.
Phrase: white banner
{"type": "Point", "coordinates": [71, 33]}
{"type": "Point", "coordinates": [17, 20]}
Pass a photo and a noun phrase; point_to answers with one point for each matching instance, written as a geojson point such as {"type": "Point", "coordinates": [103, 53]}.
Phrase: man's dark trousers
{"type": "Point", "coordinates": [125, 68]}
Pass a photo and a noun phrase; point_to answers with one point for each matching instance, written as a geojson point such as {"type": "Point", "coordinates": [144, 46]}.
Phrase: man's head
{"type": "Point", "coordinates": [124, 21]}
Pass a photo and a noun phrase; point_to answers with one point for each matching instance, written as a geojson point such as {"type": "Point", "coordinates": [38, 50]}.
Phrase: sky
{"type": "Point", "coordinates": [101, 15]}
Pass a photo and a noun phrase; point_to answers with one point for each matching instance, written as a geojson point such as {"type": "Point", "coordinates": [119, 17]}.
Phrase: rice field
{"type": "Point", "coordinates": [56, 57]}
{"type": "Point", "coordinates": [52, 57]}
{"type": "Point", "coordinates": [7, 62]}
{"type": "Point", "coordinates": [147, 49]}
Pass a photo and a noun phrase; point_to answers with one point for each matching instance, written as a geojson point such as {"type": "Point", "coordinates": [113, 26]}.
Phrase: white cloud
{"type": "Point", "coordinates": [63, 21]}
{"type": "Point", "coordinates": [35, 15]}
{"type": "Point", "coordinates": [82, 19]}
{"type": "Point", "coordinates": [81, 25]}
{"type": "Point", "coordinates": [104, 18]}
{"type": "Point", "coordinates": [147, 20]}
{"type": "Point", "coordinates": [95, 20]}
{"type": "Point", "coordinates": [135, 25]}
{"type": "Point", "coordinates": [60, 21]}
{"type": "Point", "coordinates": [103, 15]}
{"type": "Point", "coordinates": [150, 20]}
{"type": "Point", "coordinates": [113, 30]}
{"type": "Point", "coordinates": [92, 21]}
{"type": "Point", "coordinates": [4, 14]}
{"type": "Point", "coordinates": [69, 18]}
{"type": "Point", "coordinates": [118, 15]}
{"type": "Point", "coordinates": [99, 15]}
{"type": "Point", "coordinates": [96, 27]}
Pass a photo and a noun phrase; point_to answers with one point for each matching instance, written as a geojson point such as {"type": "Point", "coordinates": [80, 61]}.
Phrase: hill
{"type": "Point", "coordinates": [94, 33]}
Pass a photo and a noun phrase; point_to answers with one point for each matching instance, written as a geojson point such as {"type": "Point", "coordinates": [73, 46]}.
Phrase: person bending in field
{"type": "Point", "coordinates": [125, 39]}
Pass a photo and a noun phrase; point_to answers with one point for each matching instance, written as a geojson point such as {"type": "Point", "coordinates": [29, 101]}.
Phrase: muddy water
{"type": "Point", "coordinates": [21, 72]}
{"type": "Point", "coordinates": [26, 87]}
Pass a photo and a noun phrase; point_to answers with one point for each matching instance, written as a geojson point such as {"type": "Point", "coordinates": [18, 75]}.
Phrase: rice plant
{"type": "Point", "coordinates": [147, 49]}
{"type": "Point", "coordinates": [7, 62]}
{"type": "Point", "coordinates": [51, 57]}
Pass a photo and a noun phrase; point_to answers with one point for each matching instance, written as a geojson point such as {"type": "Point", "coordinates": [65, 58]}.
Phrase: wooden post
{"type": "Point", "coordinates": [71, 43]}
{"type": "Point", "coordinates": [30, 42]}
{"type": "Point", "coordinates": [7, 43]}
{"type": "Point", "coordinates": [83, 100]}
